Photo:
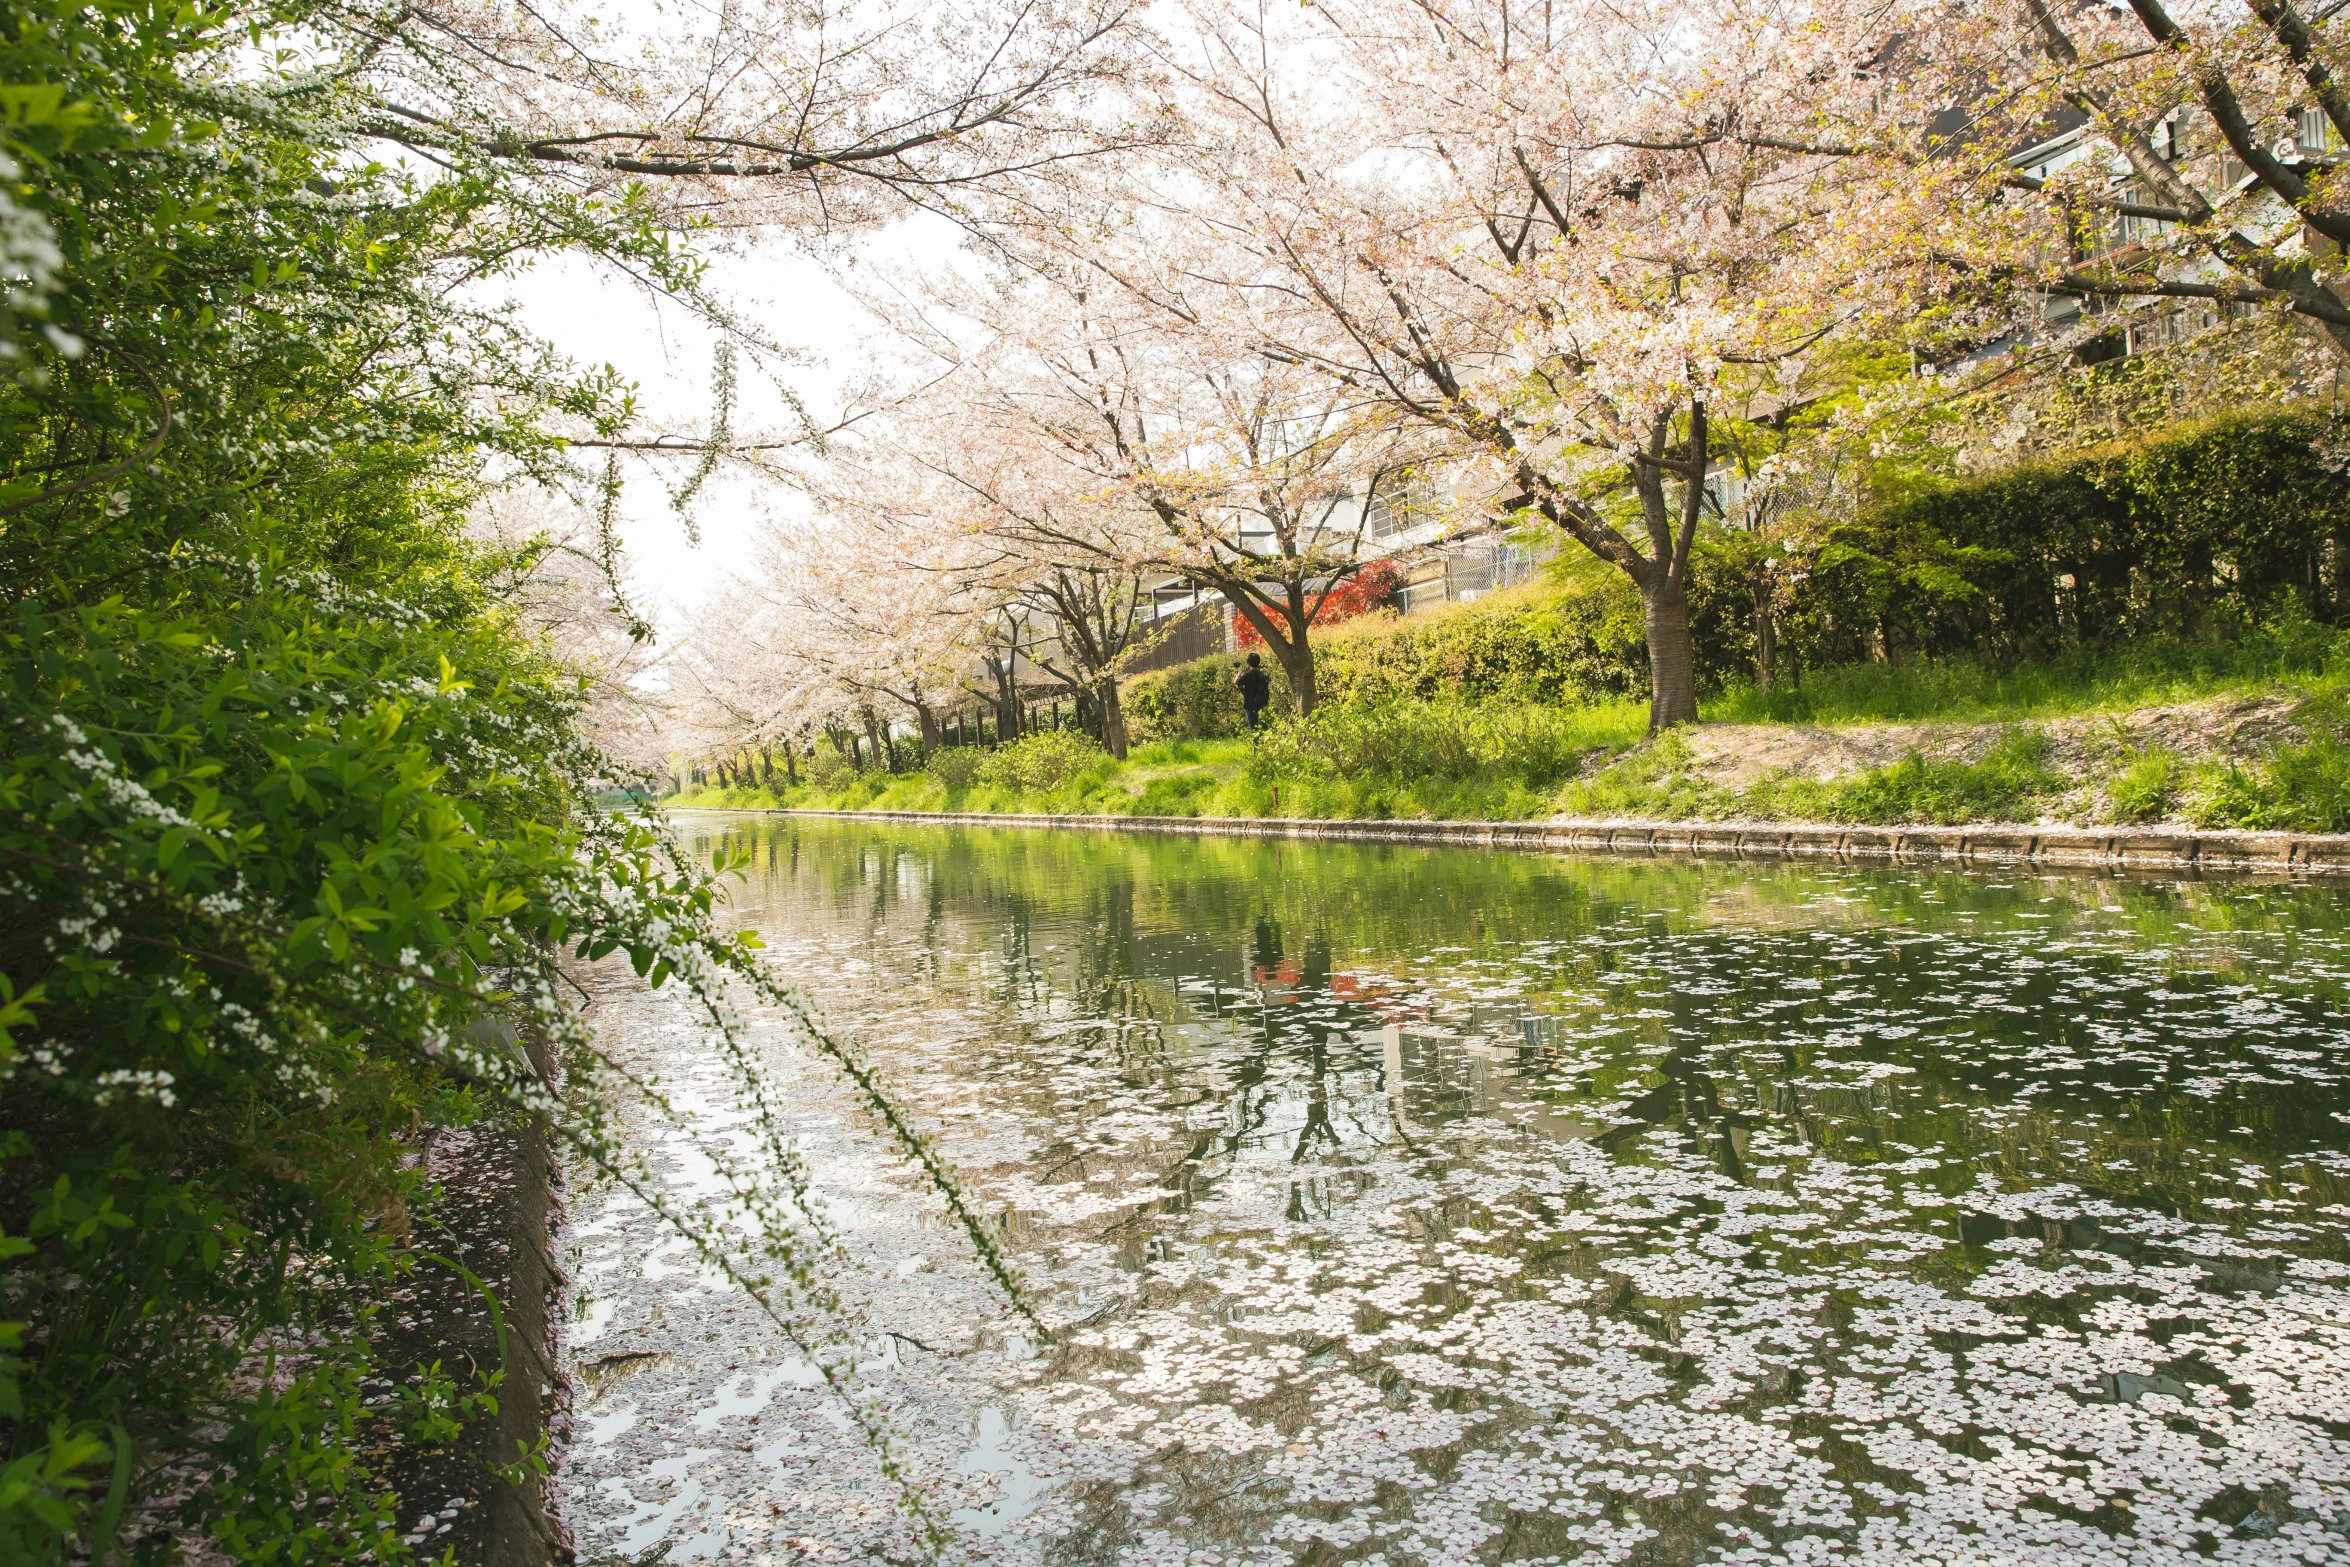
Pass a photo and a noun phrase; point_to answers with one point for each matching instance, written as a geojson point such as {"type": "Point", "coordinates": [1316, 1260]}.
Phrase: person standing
{"type": "Point", "coordinates": [1256, 690]}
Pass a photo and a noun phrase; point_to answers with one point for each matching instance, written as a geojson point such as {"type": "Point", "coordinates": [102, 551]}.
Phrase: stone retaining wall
{"type": "Point", "coordinates": [2300, 855]}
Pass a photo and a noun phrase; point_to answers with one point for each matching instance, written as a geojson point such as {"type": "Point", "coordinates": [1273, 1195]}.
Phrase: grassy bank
{"type": "Point", "coordinates": [1395, 760]}
{"type": "Point", "coordinates": [2297, 657]}
{"type": "Point", "coordinates": [2238, 737]}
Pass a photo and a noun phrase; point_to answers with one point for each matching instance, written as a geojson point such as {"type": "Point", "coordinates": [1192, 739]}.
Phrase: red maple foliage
{"type": "Point", "coordinates": [1373, 587]}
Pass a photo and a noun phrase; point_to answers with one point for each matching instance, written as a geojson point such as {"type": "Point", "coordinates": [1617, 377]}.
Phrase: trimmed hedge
{"type": "Point", "coordinates": [2188, 535]}
{"type": "Point", "coordinates": [1575, 638]}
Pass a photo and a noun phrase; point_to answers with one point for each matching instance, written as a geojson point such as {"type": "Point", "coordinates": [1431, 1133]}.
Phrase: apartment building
{"type": "Point", "coordinates": [2191, 143]}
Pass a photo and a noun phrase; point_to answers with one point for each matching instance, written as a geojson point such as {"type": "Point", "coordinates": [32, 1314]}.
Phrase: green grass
{"type": "Point", "coordinates": [2102, 680]}
{"type": "Point", "coordinates": [2010, 782]}
{"type": "Point", "coordinates": [2013, 780]}
{"type": "Point", "coordinates": [2295, 788]}
{"type": "Point", "coordinates": [1423, 760]}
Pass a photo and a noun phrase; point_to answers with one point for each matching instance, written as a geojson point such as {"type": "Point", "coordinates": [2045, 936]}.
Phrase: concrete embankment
{"type": "Point", "coordinates": [2113, 849]}
{"type": "Point", "coordinates": [499, 1189]}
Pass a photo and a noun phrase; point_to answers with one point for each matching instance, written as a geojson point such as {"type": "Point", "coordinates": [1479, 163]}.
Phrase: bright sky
{"type": "Point", "coordinates": [597, 317]}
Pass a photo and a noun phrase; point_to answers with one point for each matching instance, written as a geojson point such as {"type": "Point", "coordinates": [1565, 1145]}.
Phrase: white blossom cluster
{"type": "Point", "coordinates": [144, 1084]}
{"type": "Point", "coordinates": [126, 794]}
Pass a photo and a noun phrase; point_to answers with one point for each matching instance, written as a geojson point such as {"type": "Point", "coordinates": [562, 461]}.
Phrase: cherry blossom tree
{"type": "Point", "coordinates": [1526, 231]}
{"type": "Point", "coordinates": [1161, 437]}
{"type": "Point", "coordinates": [1020, 542]}
{"type": "Point", "coordinates": [560, 565]}
{"type": "Point", "coordinates": [795, 114]}
{"type": "Point", "coordinates": [641, 135]}
{"type": "Point", "coordinates": [2222, 122]}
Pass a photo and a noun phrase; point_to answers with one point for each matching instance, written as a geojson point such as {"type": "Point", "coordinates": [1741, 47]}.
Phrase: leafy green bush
{"type": "Point", "coordinates": [1043, 761]}
{"type": "Point", "coordinates": [956, 766]}
{"type": "Point", "coordinates": [295, 813]}
{"type": "Point", "coordinates": [1575, 637]}
{"type": "Point", "coordinates": [1195, 701]}
{"type": "Point", "coordinates": [827, 770]}
{"type": "Point", "coordinates": [2189, 534]}
{"type": "Point", "coordinates": [1414, 739]}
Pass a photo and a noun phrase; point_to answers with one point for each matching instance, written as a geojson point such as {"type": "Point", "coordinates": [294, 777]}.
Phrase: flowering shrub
{"type": "Point", "coordinates": [1043, 761]}
{"type": "Point", "coordinates": [296, 821]}
{"type": "Point", "coordinates": [254, 916]}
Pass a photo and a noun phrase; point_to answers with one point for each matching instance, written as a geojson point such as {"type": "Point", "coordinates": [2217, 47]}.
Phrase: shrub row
{"type": "Point", "coordinates": [2185, 542]}
{"type": "Point", "coordinates": [2196, 533]}
{"type": "Point", "coordinates": [1403, 738]}
{"type": "Point", "coordinates": [1575, 638]}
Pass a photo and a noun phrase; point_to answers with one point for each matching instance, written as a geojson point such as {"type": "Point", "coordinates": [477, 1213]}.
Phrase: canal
{"type": "Point", "coordinates": [1402, 1206]}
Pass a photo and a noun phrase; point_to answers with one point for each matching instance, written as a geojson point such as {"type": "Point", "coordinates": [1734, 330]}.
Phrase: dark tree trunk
{"type": "Point", "coordinates": [791, 768]}
{"type": "Point", "coordinates": [1006, 700]}
{"type": "Point", "coordinates": [1672, 531]}
{"type": "Point", "coordinates": [1297, 662]}
{"type": "Point", "coordinates": [1113, 719]}
{"type": "Point", "coordinates": [1766, 640]}
{"type": "Point", "coordinates": [1672, 657]}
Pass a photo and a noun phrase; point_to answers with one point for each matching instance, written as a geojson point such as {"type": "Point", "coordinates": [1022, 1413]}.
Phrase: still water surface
{"type": "Point", "coordinates": [1406, 1206]}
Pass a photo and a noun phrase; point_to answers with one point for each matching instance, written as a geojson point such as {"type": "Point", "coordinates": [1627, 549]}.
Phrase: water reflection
{"type": "Point", "coordinates": [1406, 1206]}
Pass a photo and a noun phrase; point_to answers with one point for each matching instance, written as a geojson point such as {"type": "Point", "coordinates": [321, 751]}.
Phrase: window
{"type": "Point", "coordinates": [2161, 327]}
{"type": "Point", "coordinates": [2313, 132]}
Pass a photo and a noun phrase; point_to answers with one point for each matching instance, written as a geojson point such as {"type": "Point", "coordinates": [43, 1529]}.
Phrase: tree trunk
{"type": "Point", "coordinates": [791, 768]}
{"type": "Point", "coordinates": [933, 733]}
{"type": "Point", "coordinates": [1766, 640]}
{"type": "Point", "coordinates": [1672, 657]}
{"type": "Point", "coordinates": [1298, 664]}
{"type": "Point", "coordinates": [1113, 719]}
{"type": "Point", "coordinates": [1290, 643]}
{"type": "Point", "coordinates": [1007, 706]}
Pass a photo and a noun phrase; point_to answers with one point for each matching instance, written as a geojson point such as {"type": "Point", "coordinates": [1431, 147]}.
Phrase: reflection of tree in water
{"type": "Point", "coordinates": [1226, 1026]}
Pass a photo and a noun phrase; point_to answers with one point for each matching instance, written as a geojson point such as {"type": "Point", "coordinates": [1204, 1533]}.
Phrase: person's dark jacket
{"type": "Point", "coordinates": [1256, 688]}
